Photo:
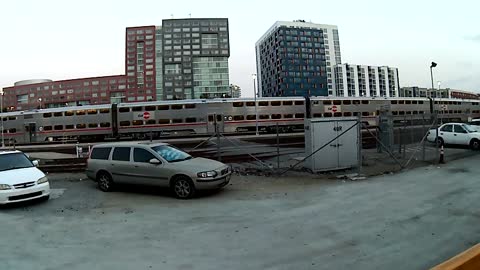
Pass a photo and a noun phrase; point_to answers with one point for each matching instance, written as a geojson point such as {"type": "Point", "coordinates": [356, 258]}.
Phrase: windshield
{"type": "Point", "coordinates": [469, 128]}
{"type": "Point", "coordinates": [14, 161]}
{"type": "Point", "coordinates": [171, 154]}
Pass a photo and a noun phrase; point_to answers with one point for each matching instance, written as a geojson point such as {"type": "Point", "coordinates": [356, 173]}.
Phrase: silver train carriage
{"type": "Point", "coordinates": [173, 118]}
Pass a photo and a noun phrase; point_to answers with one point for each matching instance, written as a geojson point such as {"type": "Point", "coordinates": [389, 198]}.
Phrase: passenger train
{"type": "Point", "coordinates": [170, 118]}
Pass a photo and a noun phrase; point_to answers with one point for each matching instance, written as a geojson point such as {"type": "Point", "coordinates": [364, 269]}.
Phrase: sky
{"type": "Point", "coordinates": [62, 39]}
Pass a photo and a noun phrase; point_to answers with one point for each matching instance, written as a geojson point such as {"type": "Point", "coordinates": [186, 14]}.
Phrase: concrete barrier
{"type": "Point", "coordinates": [469, 259]}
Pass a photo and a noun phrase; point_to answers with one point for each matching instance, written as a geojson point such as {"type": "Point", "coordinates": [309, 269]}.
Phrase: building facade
{"type": "Point", "coordinates": [182, 59]}
{"type": "Point", "coordinates": [415, 91]}
{"type": "Point", "coordinates": [297, 59]}
{"type": "Point", "coordinates": [366, 81]}
{"type": "Point", "coordinates": [235, 91]}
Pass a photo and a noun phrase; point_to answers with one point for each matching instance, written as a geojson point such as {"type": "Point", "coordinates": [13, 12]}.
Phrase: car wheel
{"type": "Point", "coordinates": [183, 187]}
{"type": "Point", "coordinates": [440, 142]}
{"type": "Point", "coordinates": [475, 144]}
{"type": "Point", "coordinates": [105, 182]}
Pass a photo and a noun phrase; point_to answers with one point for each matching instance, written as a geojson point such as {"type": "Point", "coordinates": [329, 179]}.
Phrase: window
{"type": "Point", "coordinates": [177, 107]}
{"type": "Point", "coordinates": [142, 155]}
{"type": "Point", "coordinates": [275, 103]}
{"type": "Point", "coordinates": [190, 120]}
{"type": "Point", "coordinates": [189, 106]}
{"type": "Point", "coordinates": [288, 116]}
{"type": "Point", "coordinates": [58, 127]}
{"type": "Point", "coordinates": [276, 116]}
{"type": "Point", "coordinates": [47, 115]}
{"type": "Point", "coordinates": [251, 117]}
{"type": "Point", "coordinates": [100, 153]}
{"type": "Point", "coordinates": [58, 114]}
{"type": "Point", "coordinates": [121, 154]}
{"type": "Point", "coordinates": [250, 103]}
{"type": "Point", "coordinates": [264, 116]}
{"type": "Point", "coordinates": [237, 104]}
{"type": "Point", "coordinates": [137, 109]}
{"type": "Point", "coordinates": [299, 115]}
{"type": "Point", "coordinates": [287, 103]}
{"type": "Point", "coordinates": [47, 128]}
{"type": "Point", "coordinates": [447, 128]}
{"type": "Point", "coordinates": [163, 107]}
{"type": "Point", "coordinates": [263, 103]}
{"type": "Point", "coordinates": [93, 125]}
{"type": "Point", "coordinates": [327, 115]}
{"type": "Point", "coordinates": [105, 124]}
{"type": "Point", "coordinates": [241, 117]}
{"type": "Point", "coordinates": [124, 123]}
{"type": "Point", "coordinates": [459, 129]}
{"type": "Point", "coordinates": [123, 110]}
{"type": "Point", "coordinates": [164, 121]}
{"type": "Point", "coordinates": [81, 126]}
{"type": "Point", "coordinates": [69, 126]}
{"type": "Point", "coordinates": [177, 121]}
{"type": "Point", "coordinates": [137, 122]}
{"type": "Point", "coordinates": [92, 112]}
{"type": "Point", "coordinates": [82, 112]}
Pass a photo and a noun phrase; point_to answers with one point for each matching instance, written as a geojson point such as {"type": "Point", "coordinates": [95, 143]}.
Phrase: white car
{"type": "Point", "coordinates": [456, 133]}
{"type": "Point", "coordinates": [20, 180]}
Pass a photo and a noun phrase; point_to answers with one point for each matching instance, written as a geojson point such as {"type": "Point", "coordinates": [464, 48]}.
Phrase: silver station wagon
{"type": "Point", "coordinates": [156, 164]}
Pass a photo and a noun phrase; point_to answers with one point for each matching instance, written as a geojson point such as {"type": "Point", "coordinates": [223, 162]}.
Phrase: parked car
{"type": "Point", "coordinates": [20, 179]}
{"type": "Point", "coordinates": [456, 133]}
{"type": "Point", "coordinates": [156, 164]}
{"type": "Point", "coordinates": [475, 123]}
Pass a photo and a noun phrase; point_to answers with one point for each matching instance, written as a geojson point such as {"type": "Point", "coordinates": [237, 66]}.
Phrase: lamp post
{"type": "Point", "coordinates": [433, 100]}
{"type": "Point", "coordinates": [40, 102]}
{"type": "Point", "coordinates": [1, 112]}
{"type": "Point", "coordinates": [254, 77]}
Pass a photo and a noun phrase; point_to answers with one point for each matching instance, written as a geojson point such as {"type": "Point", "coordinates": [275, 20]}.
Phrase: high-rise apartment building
{"type": "Point", "coordinates": [366, 81]}
{"type": "Point", "coordinates": [298, 59]}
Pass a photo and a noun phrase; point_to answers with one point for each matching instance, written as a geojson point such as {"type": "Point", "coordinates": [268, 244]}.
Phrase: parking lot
{"type": "Point", "coordinates": [410, 220]}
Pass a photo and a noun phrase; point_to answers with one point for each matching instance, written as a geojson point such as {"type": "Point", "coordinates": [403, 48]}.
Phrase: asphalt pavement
{"type": "Point", "coordinates": [410, 220]}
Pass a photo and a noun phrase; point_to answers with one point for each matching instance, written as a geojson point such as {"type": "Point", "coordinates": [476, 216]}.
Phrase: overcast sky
{"type": "Point", "coordinates": [61, 39]}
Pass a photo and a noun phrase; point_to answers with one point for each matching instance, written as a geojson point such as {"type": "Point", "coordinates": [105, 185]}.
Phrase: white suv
{"type": "Point", "coordinates": [456, 133]}
{"type": "Point", "coordinates": [20, 180]}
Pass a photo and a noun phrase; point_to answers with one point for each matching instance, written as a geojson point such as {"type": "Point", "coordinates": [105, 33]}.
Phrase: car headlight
{"type": "Point", "coordinates": [5, 187]}
{"type": "Point", "coordinates": [207, 174]}
{"type": "Point", "coordinates": [42, 180]}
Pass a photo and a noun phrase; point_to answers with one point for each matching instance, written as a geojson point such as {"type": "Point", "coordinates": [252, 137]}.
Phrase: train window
{"type": "Point", "coordinates": [219, 118]}
{"type": "Point", "coordinates": [47, 115]}
{"type": "Point", "coordinates": [448, 103]}
{"type": "Point", "coordinates": [288, 116]}
{"type": "Point", "coordinates": [189, 106]}
{"type": "Point", "coordinates": [69, 113]}
{"type": "Point", "coordinates": [450, 111]}
{"type": "Point", "coordinates": [137, 122]}
{"type": "Point", "coordinates": [365, 113]}
{"type": "Point", "coordinates": [299, 115]}
{"type": "Point", "coordinates": [190, 120]}
{"type": "Point", "coordinates": [47, 128]}
{"type": "Point", "coordinates": [317, 115]}
{"type": "Point", "coordinates": [356, 114]}
{"type": "Point", "coordinates": [394, 112]}
{"type": "Point", "coordinates": [414, 102]}
{"type": "Point", "coordinates": [12, 130]}
{"type": "Point", "coordinates": [264, 116]}
{"type": "Point", "coordinates": [475, 103]}
{"type": "Point", "coordinates": [327, 114]}
{"type": "Point", "coordinates": [401, 113]}
{"type": "Point", "coordinates": [124, 109]}
{"type": "Point", "coordinates": [4, 119]}
{"type": "Point", "coordinates": [347, 114]}
{"type": "Point", "coordinates": [275, 103]}
{"type": "Point", "coordinates": [12, 118]}
{"type": "Point", "coordinates": [58, 127]}
{"type": "Point", "coordinates": [80, 112]}
{"type": "Point", "coordinates": [263, 103]}
{"type": "Point", "coordinates": [150, 108]}
{"type": "Point", "coordinates": [276, 116]}
{"type": "Point", "coordinates": [177, 107]}
{"type": "Point", "coordinates": [436, 102]}
{"type": "Point", "coordinates": [104, 110]}
{"type": "Point", "coordinates": [287, 103]}
{"type": "Point", "coordinates": [105, 124]}
{"type": "Point", "coordinates": [337, 114]}
{"type": "Point", "coordinates": [92, 125]}
{"type": "Point", "coordinates": [237, 104]}
{"type": "Point", "coordinates": [365, 102]}
{"type": "Point", "coordinates": [210, 118]}
{"type": "Point", "coordinates": [299, 102]}
{"type": "Point", "coordinates": [327, 102]}
{"type": "Point", "coordinates": [150, 122]}
{"type": "Point", "coordinates": [251, 117]}
{"type": "Point", "coordinates": [415, 112]}
{"type": "Point", "coordinates": [69, 126]}
{"type": "Point", "coordinates": [420, 102]}
{"type": "Point", "coordinates": [238, 117]}
{"type": "Point", "coordinates": [337, 102]}
{"type": "Point", "coordinates": [92, 111]}
{"type": "Point", "coordinates": [401, 102]}
{"type": "Point", "coordinates": [163, 108]}
{"type": "Point", "coordinates": [177, 121]}
{"type": "Point", "coordinates": [137, 109]}
{"type": "Point", "coordinates": [164, 121]}
{"type": "Point", "coordinates": [28, 116]}
{"type": "Point", "coordinates": [347, 102]}
{"type": "Point", "coordinates": [409, 112]}
{"type": "Point", "coordinates": [408, 102]}
{"type": "Point", "coordinates": [81, 126]}
{"type": "Point", "coordinates": [393, 102]}
{"type": "Point", "coordinates": [124, 123]}
{"type": "Point", "coordinates": [58, 114]}
{"type": "Point", "coordinates": [250, 103]}
{"type": "Point", "coordinates": [356, 102]}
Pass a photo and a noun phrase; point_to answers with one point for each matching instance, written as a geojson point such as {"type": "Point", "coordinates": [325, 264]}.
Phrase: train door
{"type": "Point", "coordinates": [30, 132]}
{"type": "Point", "coordinates": [215, 120]}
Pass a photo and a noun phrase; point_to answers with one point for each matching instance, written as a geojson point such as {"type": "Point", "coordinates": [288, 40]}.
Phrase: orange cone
{"type": "Point", "coordinates": [442, 156]}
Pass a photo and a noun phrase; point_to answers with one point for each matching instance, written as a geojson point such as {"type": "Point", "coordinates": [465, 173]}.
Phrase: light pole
{"type": "Point", "coordinates": [1, 111]}
{"type": "Point", "coordinates": [433, 100]}
{"type": "Point", "coordinates": [40, 101]}
{"type": "Point", "coordinates": [254, 76]}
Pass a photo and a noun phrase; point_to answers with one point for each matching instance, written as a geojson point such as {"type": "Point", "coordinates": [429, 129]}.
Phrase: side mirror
{"type": "Point", "coordinates": [35, 163]}
{"type": "Point", "coordinates": [155, 161]}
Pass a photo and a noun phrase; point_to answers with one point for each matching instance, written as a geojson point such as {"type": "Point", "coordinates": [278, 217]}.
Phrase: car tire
{"type": "Point", "coordinates": [105, 182]}
{"type": "Point", "coordinates": [475, 144]}
{"type": "Point", "coordinates": [183, 187]}
{"type": "Point", "coordinates": [440, 142]}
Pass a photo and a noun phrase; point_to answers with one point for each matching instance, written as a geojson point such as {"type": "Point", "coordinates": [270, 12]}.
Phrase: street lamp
{"type": "Point", "coordinates": [1, 112]}
{"type": "Point", "coordinates": [254, 77]}
{"type": "Point", "coordinates": [433, 100]}
{"type": "Point", "coordinates": [40, 101]}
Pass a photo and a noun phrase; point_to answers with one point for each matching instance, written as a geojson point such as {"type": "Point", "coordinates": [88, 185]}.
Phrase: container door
{"type": "Point", "coordinates": [347, 144]}
{"type": "Point", "coordinates": [215, 121]}
{"type": "Point", "coordinates": [327, 158]}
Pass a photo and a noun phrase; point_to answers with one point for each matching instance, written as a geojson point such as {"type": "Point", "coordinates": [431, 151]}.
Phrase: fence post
{"type": "Point", "coordinates": [404, 133]}
{"type": "Point", "coordinates": [423, 132]}
{"type": "Point", "coordinates": [278, 149]}
{"type": "Point", "coordinates": [217, 133]}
